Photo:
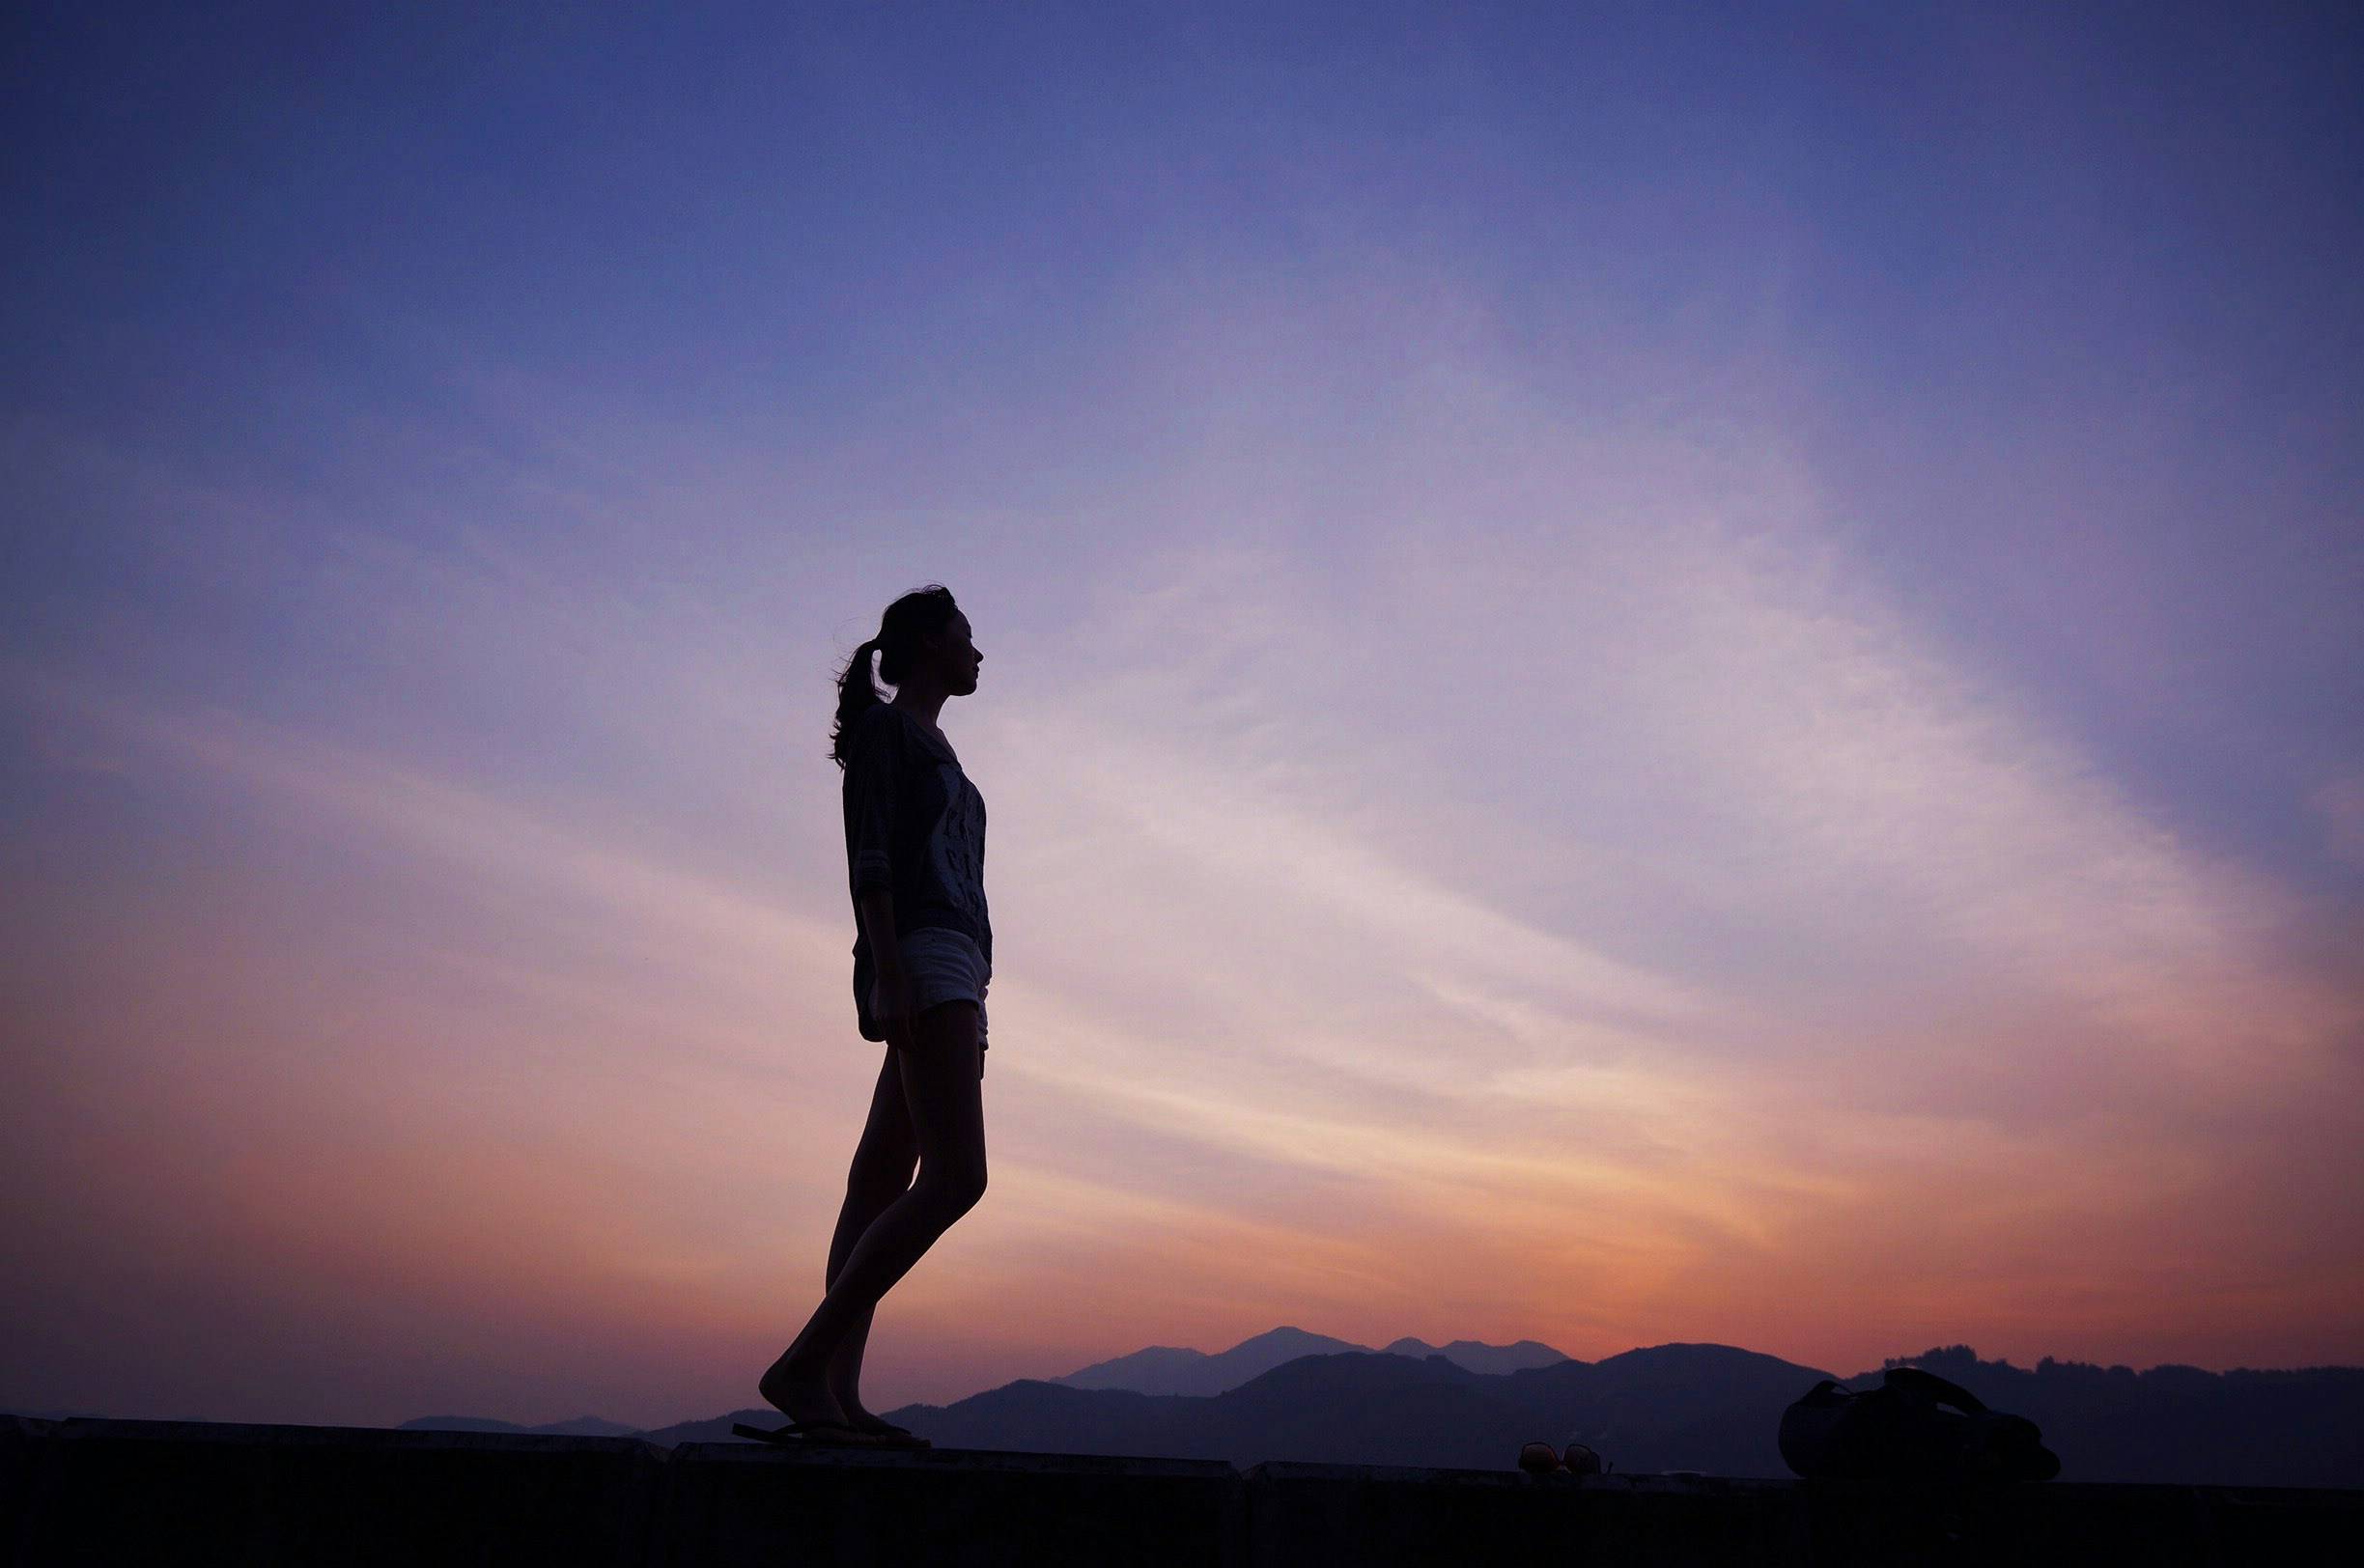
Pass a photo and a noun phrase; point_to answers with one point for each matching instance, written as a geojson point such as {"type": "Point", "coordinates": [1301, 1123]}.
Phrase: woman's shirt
{"type": "Point", "coordinates": [915, 826]}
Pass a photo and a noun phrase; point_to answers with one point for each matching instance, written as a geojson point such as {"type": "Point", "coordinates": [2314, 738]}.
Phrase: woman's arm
{"type": "Point", "coordinates": [892, 1003]}
{"type": "Point", "coordinates": [876, 913]}
{"type": "Point", "coordinates": [873, 778]}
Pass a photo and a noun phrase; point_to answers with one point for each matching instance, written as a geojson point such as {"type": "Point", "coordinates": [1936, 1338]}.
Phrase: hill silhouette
{"type": "Point", "coordinates": [2176, 1423]}
{"type": "Point", "coordinates": [1693, 1407]}
{"type": "Point", "coordinates": [1166, 1369]}
{"type": "Point", "coordinates": [1479, 1357]}
{"type": "Point", "coordinates": [1169, 1369]}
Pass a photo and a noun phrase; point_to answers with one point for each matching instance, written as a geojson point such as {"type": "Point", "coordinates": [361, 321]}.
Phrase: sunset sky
{"type": "Point", "coordinates": [1651, 673]}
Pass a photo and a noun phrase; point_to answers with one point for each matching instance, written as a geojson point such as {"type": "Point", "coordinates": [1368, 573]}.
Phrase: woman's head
{"type": "Point", "coordinates": [923, 634]}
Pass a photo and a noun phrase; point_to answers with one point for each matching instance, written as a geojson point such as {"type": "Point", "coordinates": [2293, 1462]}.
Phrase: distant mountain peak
{"type": "Point", "coordinates": [1290, 1335]}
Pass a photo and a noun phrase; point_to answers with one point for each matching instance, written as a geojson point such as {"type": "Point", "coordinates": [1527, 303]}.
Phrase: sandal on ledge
{"type": "Point", "coordinates": [814, 1435]}
{"type": "Point", "coordinates": [895, 1437]}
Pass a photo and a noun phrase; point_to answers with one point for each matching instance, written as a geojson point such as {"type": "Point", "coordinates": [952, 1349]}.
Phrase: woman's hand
{"type": "Point", "coordinates": [892, 1004]}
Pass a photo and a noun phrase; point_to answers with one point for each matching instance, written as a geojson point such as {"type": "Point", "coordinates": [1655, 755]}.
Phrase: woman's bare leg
{"type": "Point", "coordinates": [941, 1091]}
{"type": "Point", "coordinates": [881, 1173]}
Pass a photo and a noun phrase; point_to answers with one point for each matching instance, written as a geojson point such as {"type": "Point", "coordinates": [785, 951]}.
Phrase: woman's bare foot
{"type": "Point", "coordinates": [857, 1415]}
{"type": "Point", "coordinates": [800, 1394]}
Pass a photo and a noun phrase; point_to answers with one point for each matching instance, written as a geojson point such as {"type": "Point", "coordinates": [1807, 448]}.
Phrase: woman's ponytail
{"type": "Point", "coordinates": [857, 695]}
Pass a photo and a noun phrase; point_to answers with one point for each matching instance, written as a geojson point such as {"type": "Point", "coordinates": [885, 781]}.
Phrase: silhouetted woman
{"type": "Point", "coordinates": [922, 956]}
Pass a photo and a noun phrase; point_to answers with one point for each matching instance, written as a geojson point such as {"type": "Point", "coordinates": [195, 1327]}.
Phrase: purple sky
{"type": "Point", "coordinates": [1649, 675]}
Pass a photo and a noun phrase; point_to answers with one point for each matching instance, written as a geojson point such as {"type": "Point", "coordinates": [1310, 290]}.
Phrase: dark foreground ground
{"type": "Point", "coordinates": [163, 1491]}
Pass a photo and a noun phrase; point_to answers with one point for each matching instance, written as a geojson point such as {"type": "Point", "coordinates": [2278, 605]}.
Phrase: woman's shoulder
{"type": "Point", "coordinates": [885, 724]}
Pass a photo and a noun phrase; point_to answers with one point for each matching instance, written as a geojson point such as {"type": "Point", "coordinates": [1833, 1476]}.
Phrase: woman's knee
{"type": "Point", "coordinates": [880, 1179]}
{"type": "Point", "coordinates": [957, 1185]}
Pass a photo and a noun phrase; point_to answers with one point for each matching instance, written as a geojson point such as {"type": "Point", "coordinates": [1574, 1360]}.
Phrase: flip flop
{"type": "Point", "coordinates": [812, 1435]}
{"type": "Point", "coordinates": [892, 1436]}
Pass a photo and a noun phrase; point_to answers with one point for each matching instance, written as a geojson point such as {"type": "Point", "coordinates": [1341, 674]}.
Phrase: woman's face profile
{"type": "Point", "coordinates": [961, 659]}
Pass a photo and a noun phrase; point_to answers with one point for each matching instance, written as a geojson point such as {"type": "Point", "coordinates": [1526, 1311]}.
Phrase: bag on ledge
{"type": "Point", "coordinates": [1904, 1431]}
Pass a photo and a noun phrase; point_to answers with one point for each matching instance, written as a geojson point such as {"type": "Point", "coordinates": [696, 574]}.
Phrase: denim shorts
{"type": "Point", "coordinates": [946, 966]}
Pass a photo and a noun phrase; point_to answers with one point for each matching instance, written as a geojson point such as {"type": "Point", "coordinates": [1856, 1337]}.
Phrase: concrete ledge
{"type": "Point", "coordinates": [735, 1502]}
{"type": "Point", "coordinates": [1377, 1514]}
{"type": "Point", "coordinates": [1370, 1514]}
{"type": "Point", "coordinates": [112, 1491]}
{"type": "Point", "coordinates": [160, 1491]}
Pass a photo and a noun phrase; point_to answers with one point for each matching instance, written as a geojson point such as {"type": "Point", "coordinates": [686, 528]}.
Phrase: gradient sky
{"type": "Point", "coordinates": [1651, 673]}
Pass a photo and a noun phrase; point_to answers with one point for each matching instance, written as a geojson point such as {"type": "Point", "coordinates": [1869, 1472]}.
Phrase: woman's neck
{"type": "Point", "coordinates": [924, 712]}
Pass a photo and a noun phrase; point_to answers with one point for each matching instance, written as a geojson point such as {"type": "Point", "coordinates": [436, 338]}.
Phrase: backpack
{"type": "Point", "coordinates": [1903, 1431]}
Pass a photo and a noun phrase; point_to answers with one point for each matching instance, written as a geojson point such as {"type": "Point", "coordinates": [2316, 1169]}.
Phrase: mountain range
{"type": "Point", "coordinates": [1163, 1369]}
{"type": "Point", "coordinates": [1709, 1408]}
